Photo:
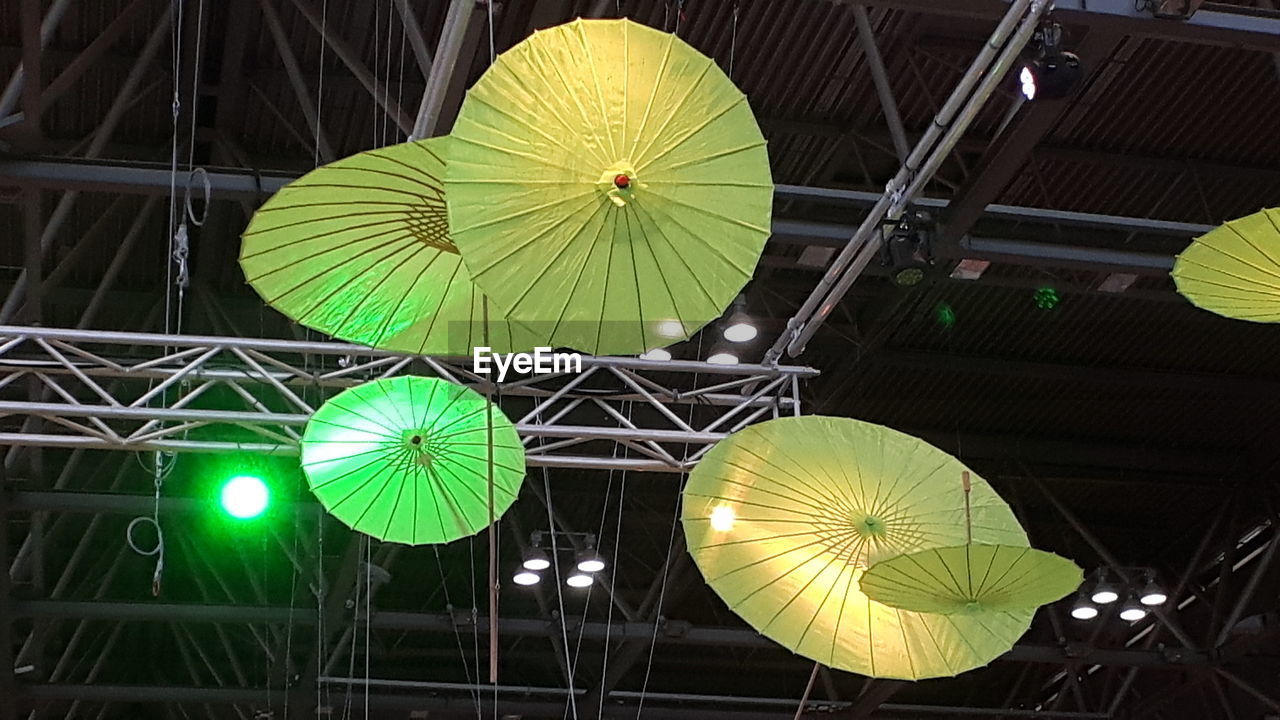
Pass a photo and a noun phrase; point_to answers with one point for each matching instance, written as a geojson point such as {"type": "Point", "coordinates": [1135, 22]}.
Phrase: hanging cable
{"type": "Point", "coordinates": [555, 558]}
{"type": "Point", "coordinates": [733, 39]}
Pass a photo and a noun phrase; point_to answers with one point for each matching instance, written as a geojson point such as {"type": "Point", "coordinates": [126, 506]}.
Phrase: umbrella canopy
{"type": "Point", "coordinates": [407, 460]}
{"type": "Point", "coordinates": [971, 578]}
{"type": "Point", "coordinates": [1234, 270]}
{"type": "Point", "coordinates": [359, 249]}
{"type": "Point", "coordinates": [784, 517]}
{"type": "Point", "coordinates": [609, 186]}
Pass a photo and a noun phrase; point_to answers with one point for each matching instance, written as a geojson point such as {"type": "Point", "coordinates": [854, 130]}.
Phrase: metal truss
{"type": "Point", "coordinates": [139, 391]}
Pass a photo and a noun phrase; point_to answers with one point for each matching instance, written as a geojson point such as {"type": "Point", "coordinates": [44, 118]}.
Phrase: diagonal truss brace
{"type": "Point", "coordinates": [140, 391]}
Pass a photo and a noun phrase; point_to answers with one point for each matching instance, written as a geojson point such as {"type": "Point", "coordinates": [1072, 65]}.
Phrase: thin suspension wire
{"type": "Point", "coordinates": [324, 23]}
{"type": "Point", "coordinates": [462, 653]}
{"type": "Point", "coordinates": [555, 558]}
{"type": "Point", "coordinates": [613, 577]}
{"type": "Point", "coordinates": [808, 690]}
{"type": "Point", "coordinates": [733, 39]}
{"type": "Point", "coordinates": [367, 580]}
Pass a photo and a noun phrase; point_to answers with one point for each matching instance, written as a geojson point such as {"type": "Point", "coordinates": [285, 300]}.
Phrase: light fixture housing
{"type": "Point", "coordinates": [1132, 610]}
{"type": "Point", "coordinates": [1083, 609]}
{"type": "Point", "coordinates": [1152, 594]}
{"type": "Point", "coordinates": [526, 577]}
{"type": "Point", "coordinates": [589, 561]}
{"type": "Point", "coordinates": [579, 580]}
{"type": "Point", "coordinates": [1105, 592]}
{"type": "Point", "coordinates": [1048, 72]}
{"type": "Point", "coordinates": [536, 559]}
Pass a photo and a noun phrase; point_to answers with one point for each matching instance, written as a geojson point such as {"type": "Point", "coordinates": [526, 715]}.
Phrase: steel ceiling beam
{"type": "Point", "coordinates": [1212, 24]}
{"type": "Point", "coordinates": [445, 65]}
{"type": "Point", "coordinates": [670, 632]}
{"type": "Point", "coordinates": [1010, 151]}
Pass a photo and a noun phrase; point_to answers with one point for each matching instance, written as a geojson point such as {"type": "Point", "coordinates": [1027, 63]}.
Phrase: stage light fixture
{"type": "Point", "coordinates": [1152, 594]}
{"type": "Point", "coordinates": [245, 497]}
{"type": "Point", "coordinates": [579, 580]}
{"type": "Point", "coordinates": [1132, 610]}
{"type": "Point", "coordinates": [723, 358]}
{"type": "Point", "coordinates": [536, 559]}
{"type": "Point", "coordinates": [906, 250]}
{"type": "Point", "coordinates": [1105, 592]}
{"type": "Point", "coordinates": [656, 354]}
{"type": "Point", "coordinates": [1083, 609]}
{"type": "Point", "coordinates": [589, 561]}
{"type": "Point", "coordinates": [1049, 72]}
{"type": "Point", "coordinates": [526, 577]}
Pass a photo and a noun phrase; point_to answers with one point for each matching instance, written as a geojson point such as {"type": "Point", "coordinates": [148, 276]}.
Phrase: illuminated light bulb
{"type": "Point", "coordinates": [722, 518]}
{"type": "Point", "coordinates": [656, 354]}
{"type": "Point", "coordinates": [740, 332]}
{"type": "Point", "coordinates": [245, 497]}
{"type": "Point", "coordinates": [526, 577]}
{"type": "Point", "coordinates": [723, 358]}
{"type": "Point", "coordinates": [578, 580]}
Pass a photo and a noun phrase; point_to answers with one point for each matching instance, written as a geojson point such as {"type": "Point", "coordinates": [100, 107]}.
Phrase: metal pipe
{"type": "Point", "coordinates": [100, 138]}
{"type": "Point", "coordinates": [875, 63]}
{"type": "Point", "coordinates": [13, 90]}
{"type": "Point", "coordinates": [1246, 595]}
{"type": "Point", "coordinates": [799, 324]}
{"type": "Point", "coordinates": [413, 29]}
{"type": "Point", "coordinates": [914, 178]}
{"type": "Point", "coordinates": [294, 72]}
{"type": "Point", "coordinates": [442, 69]}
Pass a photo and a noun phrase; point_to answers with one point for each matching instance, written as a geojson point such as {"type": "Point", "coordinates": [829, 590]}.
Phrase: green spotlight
{"type": "Point", "coordinates": [945, 316]}
{"type": "Point", "coordinates": [1046, 298]}
{"type": "Point", "coordinates": [245, 497]}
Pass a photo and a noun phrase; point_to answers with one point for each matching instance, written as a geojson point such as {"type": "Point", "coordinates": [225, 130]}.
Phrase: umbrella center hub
{"type": "Point", "coordinates": [429, 225]}
{"type": "Point", "coordinates": [415, 441]}
{"type": "Point", "coordinates": [870, 526]}
{"type": "Point", "coordinates": [618, 183]}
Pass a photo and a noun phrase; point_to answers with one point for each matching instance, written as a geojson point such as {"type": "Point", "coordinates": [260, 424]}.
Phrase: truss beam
{"type": "Point", "coordinates": [138, 391]}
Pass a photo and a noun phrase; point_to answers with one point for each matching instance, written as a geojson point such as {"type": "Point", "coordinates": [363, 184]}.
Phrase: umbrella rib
{"type": "Point", "coordinates": [812, 503]}
{"type": "Point", "coordinates": [391, 406]}
{"type": "Point", "coordinates": [476, 272]}
{"type": "Point", "coordinates": [595, 78]}
{"type": "Point", "coordinates": [775, 556]}
{"type": "Point", "coordinates": [708, 212]}
{"type": "Point", "coordinates": [689, 87]}
{"type": "Point", "coordinates": [375, 236]}
{"type": "Point", "coordinates": [395, 311]}
{"type": "Point", "coordinates": [707, 121]}
{"type": "Point", "coordinates": [844, 602]}
{"type": "Point", "coordinates": [633, 210]}
{"type": "Point", "coordinates": [582, 269]}
{"type": "Point", "coordinates": [1223, 271]}
{"type": "Point", "coordinates": [346, 474]}
{"type": "Point", "coordinates": [395, 507]}
{"type": "Point", "coordinates": [570, 93]}
{"type": "Point", "coordinates": [808, 516]}
{"type": "Point", "coordinates": [818, 491]}
{"type": "Point", "coordinates": [848, 558]}
{"type": "Point", "coordinates": [675, 251]}
{"type": "Point", "coordinates": [346, 283]}
{"type": "Point", "coordinates": [304, 188]}
{"type": "Point", "coordinates": [830, 561]}
{"type": "Point", "coordinates": [428, 180]}
{"type": "Point", "coordinates": [523, 123]}
{"type": "Point", "coordinates": [389, 435]}
{"type": "Point", "coordinates": [1260, 251]}
{"type": "Point", "coordinates": [373, 293]}
{"type": "Point", "coordinates": [635, 278]}
{"type": "Point", "coordinates": [924, 619]}
{"type": "Point", "coordinates": [906, 644]}
{"type": "Point", "coordinates": [653, 94]}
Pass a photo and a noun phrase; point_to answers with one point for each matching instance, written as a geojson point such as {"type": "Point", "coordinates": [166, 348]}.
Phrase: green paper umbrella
{"type": "Point", "coordinates": [1234, 270]}
{"type": "Point", "coordinates": [407, 460]}
{"type": "Point", "coordinates": [969, 578]}
{"type": "Point", "coordinates": [359, 249]}
{"type": "Point", "coordinates": [609, 186]}
{"type": "Point", "coordinates": [783, 518]}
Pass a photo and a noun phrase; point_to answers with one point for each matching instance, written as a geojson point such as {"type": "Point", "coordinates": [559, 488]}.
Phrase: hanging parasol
{"type": "Point", "coordinates": [1234, 270]}
{"type": "Point", "coordinates": [359, 249]}
{"type": "Point", "coordinates": [968, 578]}
{"type": "Point", "coordinates": [407, 460]}
{"type": "Point", "coordinates": [784, 517]}
{"type": "Point", "coordinates": [609, 186]}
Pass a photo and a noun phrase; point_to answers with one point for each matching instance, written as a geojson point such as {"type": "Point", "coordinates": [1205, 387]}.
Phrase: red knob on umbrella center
{"type": "Point", "coordinates": [622, 181]}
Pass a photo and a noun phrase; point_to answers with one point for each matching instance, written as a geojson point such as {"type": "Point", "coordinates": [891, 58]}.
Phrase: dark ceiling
{"type": "Point", "coordinates": [1124, 427]}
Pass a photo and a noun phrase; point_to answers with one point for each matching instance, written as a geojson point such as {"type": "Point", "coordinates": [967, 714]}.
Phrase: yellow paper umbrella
{"type": "Point", "coordinates": [359, 249]}
{"type": "Point", "coordinates": [968, 578]}
{"type": "Point", "coordinates": [609, 186]}
{"type": "Point", "coordinates": [1234, 270]}
{"type": "Point", "coordinates": [784, 517]}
